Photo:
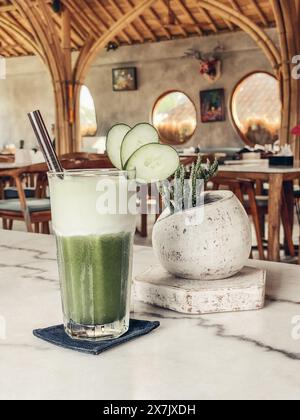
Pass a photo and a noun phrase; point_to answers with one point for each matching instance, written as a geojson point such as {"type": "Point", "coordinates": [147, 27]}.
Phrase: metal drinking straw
{"type": "Point", "coordinates": [45, 142]}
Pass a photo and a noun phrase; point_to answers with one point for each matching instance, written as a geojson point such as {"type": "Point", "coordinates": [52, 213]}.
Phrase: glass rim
{"type": "Point", "coordinates": [92, 172]}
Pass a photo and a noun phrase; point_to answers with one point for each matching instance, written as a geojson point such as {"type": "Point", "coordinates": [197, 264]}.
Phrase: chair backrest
{"type": "Point", "coordinates": [33, 176]}
{"type": "Point", "coordinates": [82, 156]}
{"type": "Point", "coordinates": [39, 173]}
{"type": "Point", "coordinates": [102, 163]}
{"type": "Point", "coordinates": [37, 168]}
{"type": "Point", "coordinates": [238, 186]}
{"type": "Point", "coordinates": [187, 161]}
{"type": "Point", "coordinates": [25, 172]}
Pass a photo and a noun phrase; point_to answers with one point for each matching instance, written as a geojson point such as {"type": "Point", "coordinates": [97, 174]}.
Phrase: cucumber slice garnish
{"type": "Point", "coordinates": [154, 162]}
{"type": "Point", "coordinates": [114, 141]}
{"type": "Point", "coordinates": [139, 136]}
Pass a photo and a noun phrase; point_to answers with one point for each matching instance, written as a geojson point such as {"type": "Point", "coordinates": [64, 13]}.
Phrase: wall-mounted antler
{"type": "Point", "coordinates": [210, 64]}
{"type": "Point", "coordinates": [193, 53]}
{"type": "Point", "coordinates": [197, 54]}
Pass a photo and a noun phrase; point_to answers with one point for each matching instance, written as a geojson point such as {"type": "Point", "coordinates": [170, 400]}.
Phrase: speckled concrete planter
{"type": "Point", "coordinates": [212, 247]}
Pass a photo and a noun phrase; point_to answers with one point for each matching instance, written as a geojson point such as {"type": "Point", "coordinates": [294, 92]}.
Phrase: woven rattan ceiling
{"type": "Point", "coordinates": [162, 21]}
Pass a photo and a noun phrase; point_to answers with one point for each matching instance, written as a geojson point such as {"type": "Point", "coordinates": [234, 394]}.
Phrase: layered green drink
{"type": "Point", "coordinates": [94, 222]}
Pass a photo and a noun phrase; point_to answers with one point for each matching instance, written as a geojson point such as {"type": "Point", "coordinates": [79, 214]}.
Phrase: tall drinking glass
{"type": "Point", "coordinates": [94, 220]}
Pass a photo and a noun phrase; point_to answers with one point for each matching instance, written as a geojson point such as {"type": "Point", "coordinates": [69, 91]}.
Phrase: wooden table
{"type": "Point", "coordinates": [280, 179]}
{"type": "Point", "coordinates": [5, 167]}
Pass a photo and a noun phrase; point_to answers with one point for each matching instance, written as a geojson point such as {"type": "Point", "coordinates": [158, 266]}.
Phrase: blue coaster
{"type": "Point", "coordinates": [57, 336]}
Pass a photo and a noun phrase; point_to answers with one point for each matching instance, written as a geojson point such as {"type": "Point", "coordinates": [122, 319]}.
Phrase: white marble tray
{"type": "Point", "coordinates": [244, 292]}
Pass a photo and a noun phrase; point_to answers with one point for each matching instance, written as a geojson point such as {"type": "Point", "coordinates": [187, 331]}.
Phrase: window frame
{"type": "Point", "coordinates": [96, 116]}
{"type": "Point", "coordinates": [166, 93]}
{"type": "Point", "coordinates": [242, 136]}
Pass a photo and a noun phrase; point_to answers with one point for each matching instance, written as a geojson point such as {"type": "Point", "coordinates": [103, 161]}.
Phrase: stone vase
{"type": "Point", "coordinates": [209, 242]}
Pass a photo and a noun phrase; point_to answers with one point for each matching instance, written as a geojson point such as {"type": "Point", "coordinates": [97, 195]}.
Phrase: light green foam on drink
{"type": "Point", "coordinates": [95, 272]}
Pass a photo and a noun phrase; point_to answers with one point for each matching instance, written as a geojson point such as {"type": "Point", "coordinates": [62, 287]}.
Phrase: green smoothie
{"type": "Point", "coordinates": [95, 276]}
{"type": "Point", "coordinates": [94, 227]}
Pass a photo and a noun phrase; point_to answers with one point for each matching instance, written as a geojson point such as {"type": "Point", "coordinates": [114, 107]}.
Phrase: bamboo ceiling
{"type": "Point", "coordinates": [182, 19]}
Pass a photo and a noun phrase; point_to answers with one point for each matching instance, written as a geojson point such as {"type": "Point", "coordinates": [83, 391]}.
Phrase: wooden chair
{"type": "Point", "coordinates": [297, 203]}
{"type": "Point", "coordinates": [188, 161]}
{"type": "Point", "coordinates": [82, 156]}
{"type": "Point", "coordinates": [100, 161]}
{"type": "Point", "coordinates": [36, 211]}
{"type": "Point", "coordinates": [257, 208]}
{"type": "Point", "coordinates": [3, 184]}
{"type": "Point", "coordinates": [33, 211]}
{"type": "Point", "coordinates": [147, 194]}
{"type": "Point", "coordinates": [75, 156]}
{"type": "Point", "coordinates": [240, 188]}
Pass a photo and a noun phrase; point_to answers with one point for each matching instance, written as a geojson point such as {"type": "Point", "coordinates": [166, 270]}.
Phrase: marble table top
{"type": "Point", "coordinates": [250, 355]}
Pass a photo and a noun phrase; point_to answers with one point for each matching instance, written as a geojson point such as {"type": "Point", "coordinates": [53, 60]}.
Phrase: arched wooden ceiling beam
{"type": "Point", "coordinates": [23, 36]}
{"type": "Point", "coordinates": [11, 41]}
{"type": "Point", "coordinates": [41, 34]}
{"type": "Point", "coordinates": [119, 12]}
{"type": "Point", "coordinates": [41, 37]}
{"type": "Point", "coordinates": [47, 39]}
{"type": "Point", "coordinates": [248, 26]}
{"type": "Point", "coordinates": [231, 14]}
{"type": "Point", "coordinates": [288, 24]}
{"type": "Point", "coordinates": [101, 10]}
{"type": "Point", "coordinates": [89, 53]}
{"type": "Point", "coordinates": [92, 47]}
{"type": "Point", "coordinates": [286, 88]}
{"type": "Point", "coordinates": [38, 15]}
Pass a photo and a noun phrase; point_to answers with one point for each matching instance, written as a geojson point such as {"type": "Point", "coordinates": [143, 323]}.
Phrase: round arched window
{"type": "Point", "coordinates": [257, 109]}
{"type": "Point", "coordinates": [88, 118]}
{"type": "Point", "coordinates": [175, 117]}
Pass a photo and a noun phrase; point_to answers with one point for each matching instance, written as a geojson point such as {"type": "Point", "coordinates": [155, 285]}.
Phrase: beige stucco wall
{"type": "Point", "coordinates": [161, 67]}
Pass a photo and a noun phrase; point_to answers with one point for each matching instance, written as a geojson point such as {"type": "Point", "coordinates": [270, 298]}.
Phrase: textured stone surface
{"type": "Point", "coordinates": [211, 242]}
{"type": "Point", "coordinates": [218, 356]}
{"type": "Point", "coordinates": [244, 292]}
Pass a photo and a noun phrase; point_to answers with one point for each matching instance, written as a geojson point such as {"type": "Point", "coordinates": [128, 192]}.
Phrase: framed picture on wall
{"type": "Point", "coordinates": [212, 105]}
{"type": "Point", "coordinates": [124, 79]}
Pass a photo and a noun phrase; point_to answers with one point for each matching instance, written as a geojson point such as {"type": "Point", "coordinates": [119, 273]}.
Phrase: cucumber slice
{"type": "Point", "coordinates": [114, 141]}
{"type": "Point", "coordinates": [154, 162]}
{"type": "Point", "coordinates": [139, 136]}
